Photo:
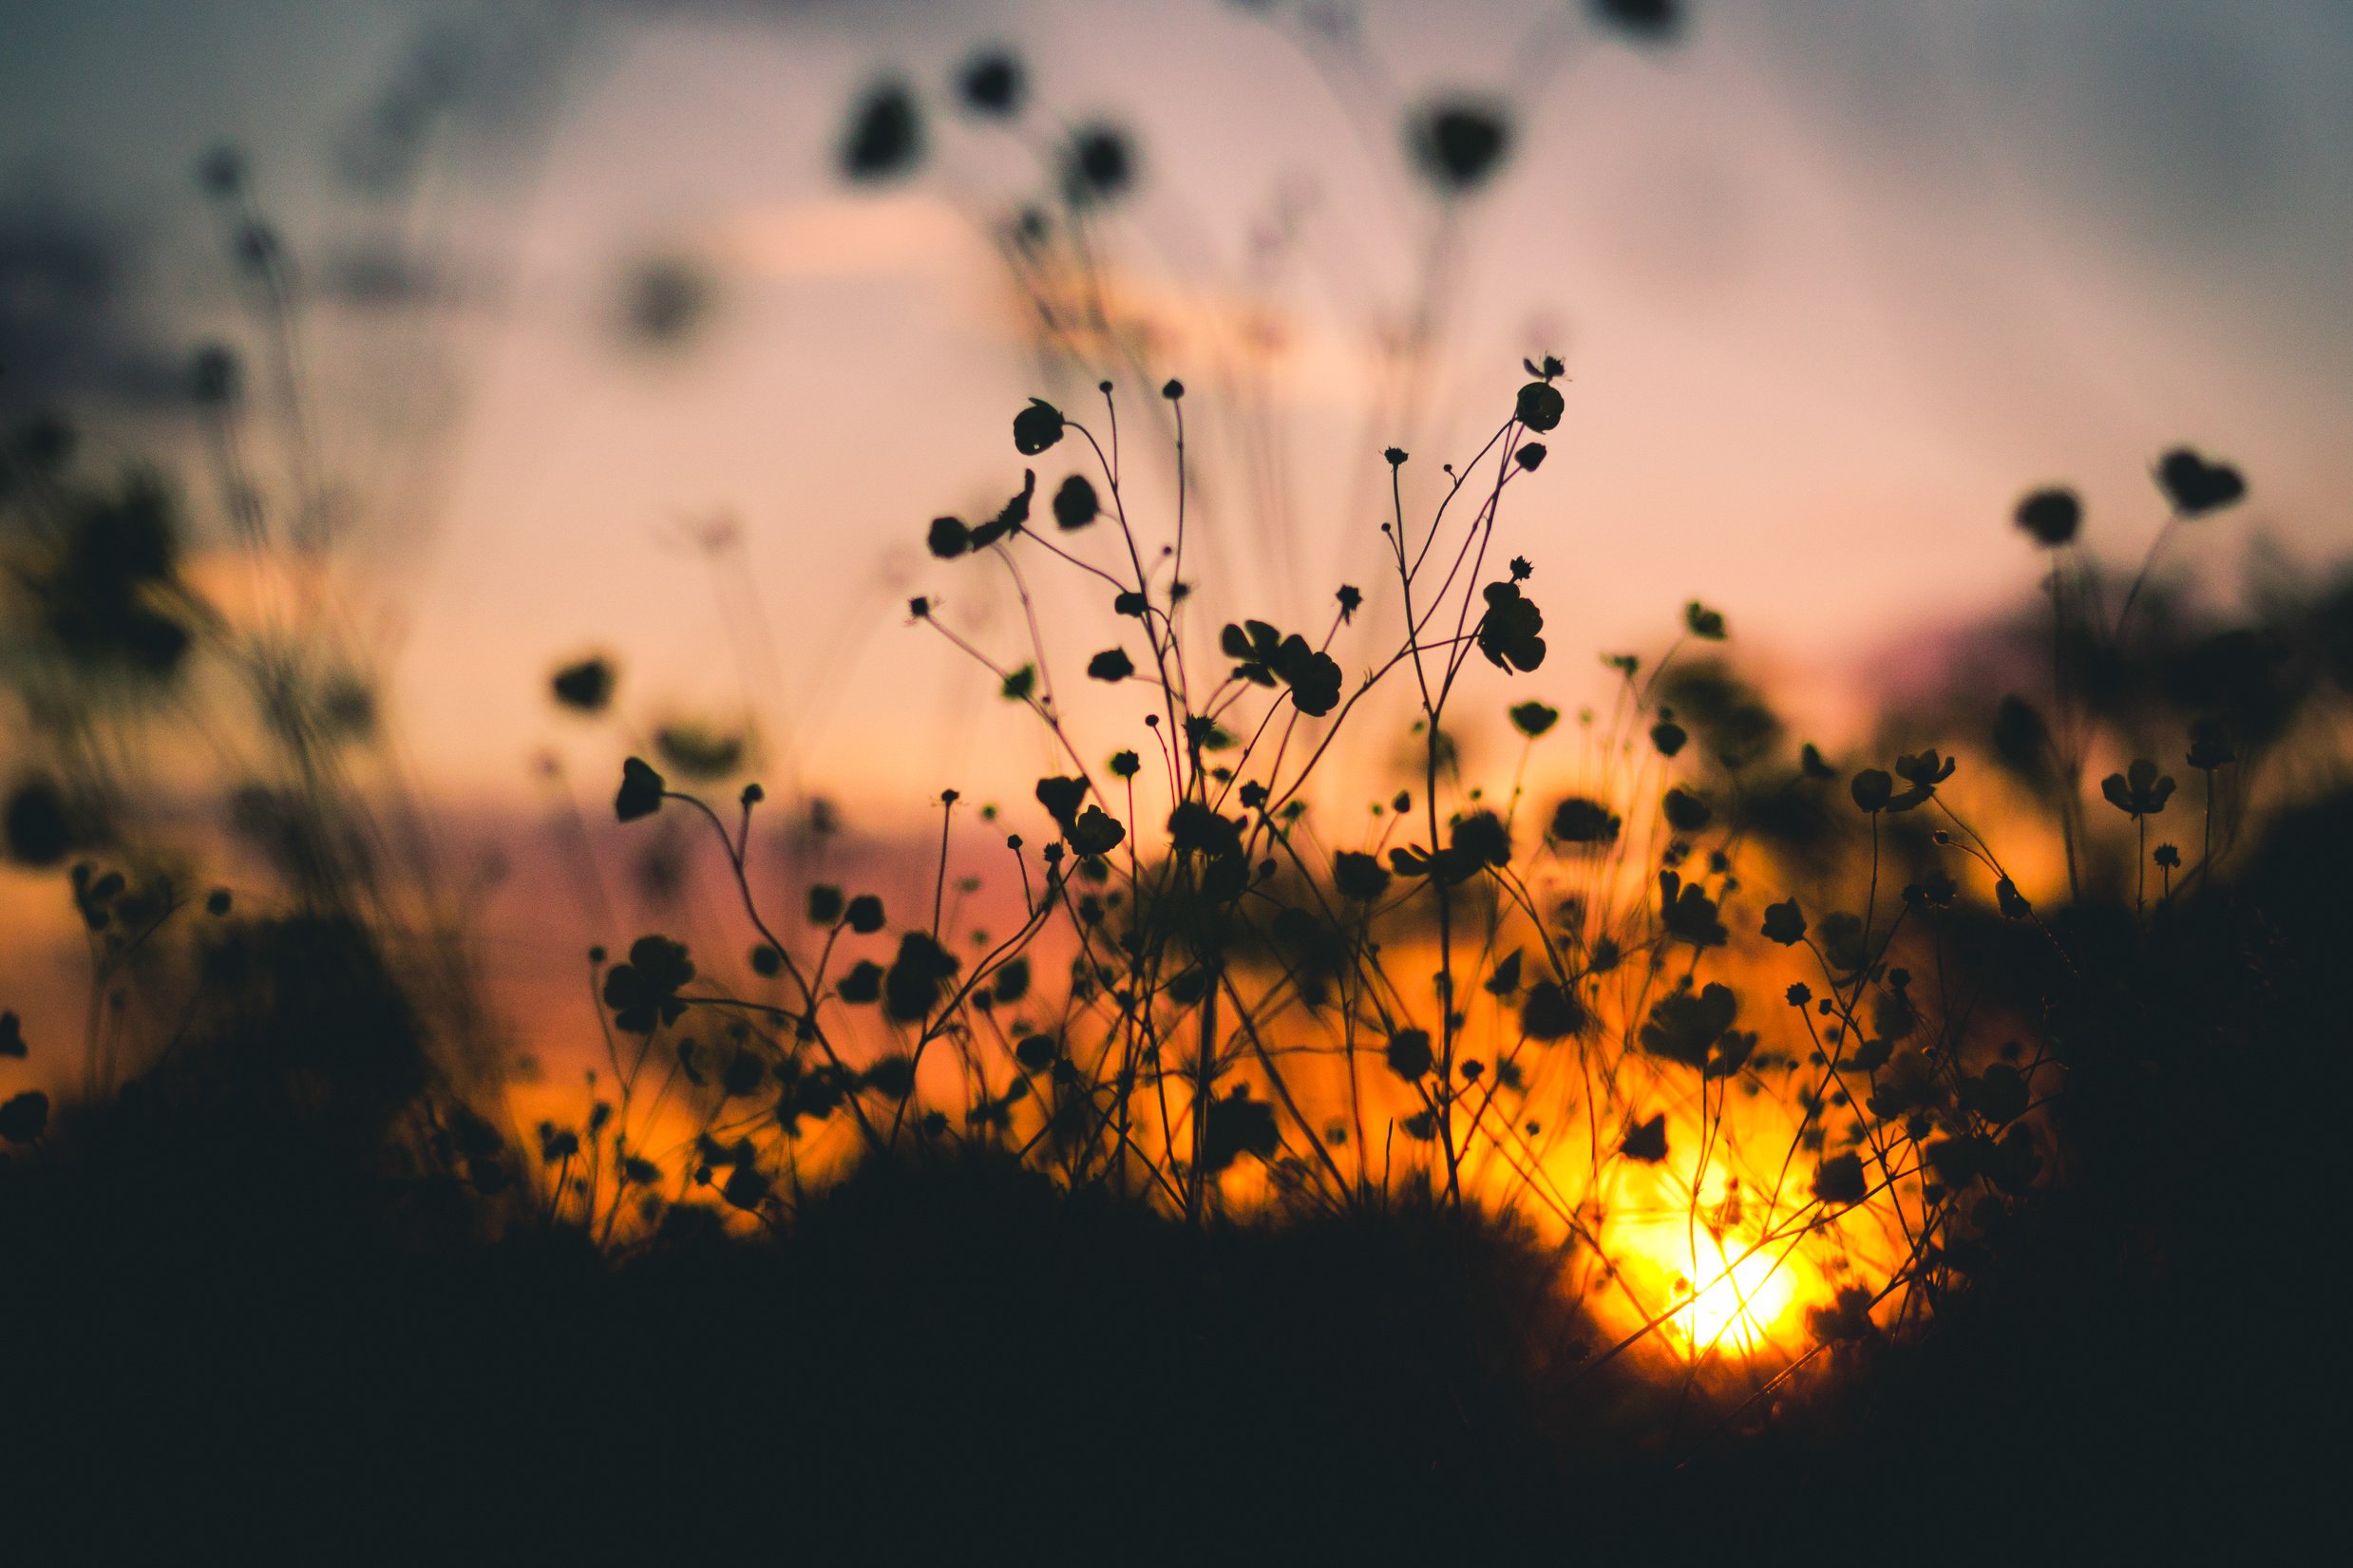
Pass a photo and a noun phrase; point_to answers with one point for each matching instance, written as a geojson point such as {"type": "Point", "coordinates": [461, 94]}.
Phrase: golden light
{"type": "Point", "coordinates": [1741, 1294]}
{"type": "Point", "coordinates": [1736, 1287]}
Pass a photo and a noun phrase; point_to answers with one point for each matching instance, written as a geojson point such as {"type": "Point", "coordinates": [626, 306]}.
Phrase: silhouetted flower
{"type": "Point", "coordinates": [643, 991]}
{"type": "Point", "coordinates": [1098, 165]}
{"type": "Point", "coordinates": [1684, 812]}
{"type": "Point", "coordinates": [2051, 516]}
{"type": "Point", "coordinates": [2209, 746]}
{"type": "Point", "coordinates": [1409, 1053]}
{"type": "Point", "coordinates": [23, 1118]}
{"type": "Point", "coordinates": [1838, 1181]}
{"type": "Point", "coordinates": [885, 134]}
{"type": "Point", "coordinates": [641, 793]}
{"type": "Point", "coordinates": [1510, 632]}
{"type": "Point", "coordinates": [1459, 145]}
{"type": "Point", "coordinates": [2196, 486]}
{"type": "Point", "coordinates": [1645, 1140]}
{"type": "Point", "coordinates": [1682, 1026]}
{"type": "Point", "coordinates": [992, 83]}
{"type": "Point", "coordinates": [1785, 923]}
{"type": "Point", "coordinates": [1581, 820]}
{"type": "Point", "coordinates": [2139, 791]}
{"type": "Point", "coordinates": [1551, 1012]}
{"type": "Point", "coordinates": [39, 832]}
{"type": "Point", "coordinates": [1647, 21]}
{"type": "Point", "coordinates": [215, 379]}
{"type": "Point", "coordinates": [1539, 406]}
{"type": "Point", "coordinates": [1037, 427]}
{"type": "Point", "coordinates": [586, 686]}
{"type": "Point", "coordinates": [1533, 718]}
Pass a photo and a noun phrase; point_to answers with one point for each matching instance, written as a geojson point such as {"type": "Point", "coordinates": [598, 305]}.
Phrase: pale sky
{"type": "Point", "coordinates": [1835, 284]}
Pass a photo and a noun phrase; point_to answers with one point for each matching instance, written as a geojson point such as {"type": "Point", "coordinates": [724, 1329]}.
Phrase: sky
{"type": "Point", "coordinates": [1835, 283]}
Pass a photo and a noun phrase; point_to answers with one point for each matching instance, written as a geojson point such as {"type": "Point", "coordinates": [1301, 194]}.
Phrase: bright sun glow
{"type": "Point", "coordinates": [1741, 1297]}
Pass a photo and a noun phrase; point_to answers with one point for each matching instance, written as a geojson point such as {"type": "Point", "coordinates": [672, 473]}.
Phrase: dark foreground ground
{"type": "Point", "coordinates": [221, 1340]}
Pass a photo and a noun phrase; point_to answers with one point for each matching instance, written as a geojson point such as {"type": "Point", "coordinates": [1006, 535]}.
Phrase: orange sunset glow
{"type": "Point", "coordinates": [1327, 778]}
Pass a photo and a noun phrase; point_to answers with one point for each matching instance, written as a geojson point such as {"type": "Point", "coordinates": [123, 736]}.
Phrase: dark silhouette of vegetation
{"type": "Point", "coordinates": [1707, 1141]}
